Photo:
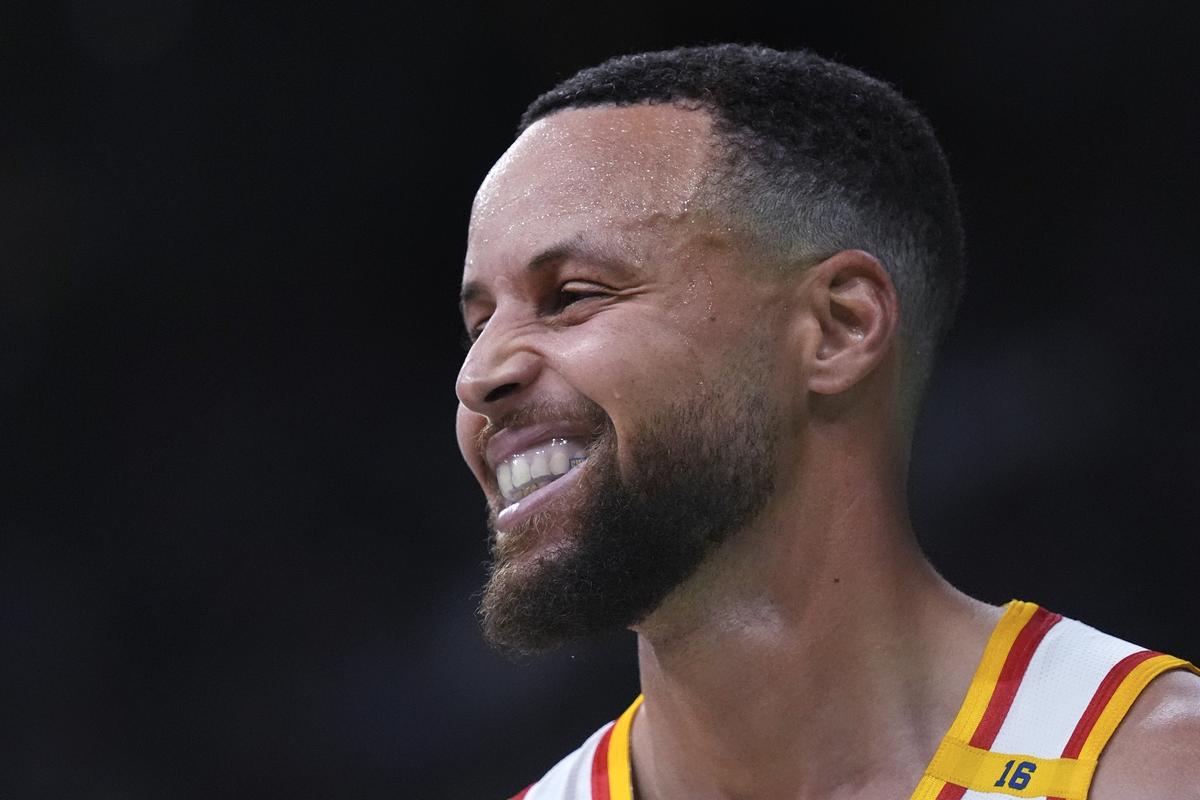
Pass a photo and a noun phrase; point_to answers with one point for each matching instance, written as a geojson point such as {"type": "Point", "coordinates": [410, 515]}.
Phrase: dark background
{"type": "Point", "coordinates": [238, 552]}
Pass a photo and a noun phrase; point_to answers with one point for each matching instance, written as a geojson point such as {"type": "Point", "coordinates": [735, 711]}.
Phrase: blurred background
{"type": "Point", "coordinates": [239, 556]}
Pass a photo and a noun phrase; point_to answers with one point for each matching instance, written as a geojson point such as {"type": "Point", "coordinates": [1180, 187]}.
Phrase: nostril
{"type": "Point", "coordinates": [500, 392]}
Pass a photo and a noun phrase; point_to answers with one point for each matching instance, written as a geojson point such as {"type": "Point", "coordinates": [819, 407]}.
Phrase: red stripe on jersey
{"type": "Point", "coordinates": [600, 767]}
{"type": "Point", "coordinates": [1108, 687]}
{"type": "Point", "coordinates": [951, 791]}
{"type": "Point", "coordinates": [1011, 675]}
{"type": "Point", "coordinates": [521, 794]}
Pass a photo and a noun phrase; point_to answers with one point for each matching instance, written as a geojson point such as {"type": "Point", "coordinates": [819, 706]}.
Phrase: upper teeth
{"type": "Point", "coordinates": [520, 474]}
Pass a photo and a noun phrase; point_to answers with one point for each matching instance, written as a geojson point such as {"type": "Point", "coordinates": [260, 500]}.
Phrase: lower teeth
{"type": "Point", "coordinates": [528, 489]}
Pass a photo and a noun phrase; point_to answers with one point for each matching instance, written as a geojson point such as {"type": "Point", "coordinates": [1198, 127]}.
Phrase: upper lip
{"type": "Point", "coordinates": [511, 441]}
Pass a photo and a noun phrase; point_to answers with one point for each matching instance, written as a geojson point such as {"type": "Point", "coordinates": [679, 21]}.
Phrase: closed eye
{"type": "Point", "coordinates": [575, 291]}
{"type": "Point", "coordinates": [569, 294]}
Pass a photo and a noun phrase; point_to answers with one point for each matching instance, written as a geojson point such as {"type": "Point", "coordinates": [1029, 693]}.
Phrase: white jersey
{"type": "Point", "coordinates": [1048, 694]}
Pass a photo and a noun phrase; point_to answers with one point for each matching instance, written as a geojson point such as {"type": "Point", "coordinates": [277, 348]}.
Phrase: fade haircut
{"type": "Point", "coordinates": [814, 157]}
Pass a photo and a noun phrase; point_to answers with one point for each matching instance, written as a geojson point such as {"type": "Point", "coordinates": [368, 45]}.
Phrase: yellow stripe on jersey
{"type": "Point", "coordinates": [620, 772]}
{"type": "Point", "coordinates": [960, 763]}
{"type": "Point", "coordinates": [1118, 706]}
{"type": "Point", "coordinates": [929, 788]}
{"type": "Point", "coordinates": [987, 675]}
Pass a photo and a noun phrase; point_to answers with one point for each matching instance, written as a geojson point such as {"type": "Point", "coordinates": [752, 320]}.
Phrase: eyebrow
{"type": "Point", "coordinates": [605, 256]}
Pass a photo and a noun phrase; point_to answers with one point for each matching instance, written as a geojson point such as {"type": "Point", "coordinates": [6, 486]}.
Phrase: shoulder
{"type": "Point", "coordinates": [1155, 751]}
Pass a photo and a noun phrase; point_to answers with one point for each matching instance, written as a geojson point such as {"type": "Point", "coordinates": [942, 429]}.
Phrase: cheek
{"type": "Point", "coordinates": [625, 362]}
{"type": "Point", "coordinates": [633, 370]}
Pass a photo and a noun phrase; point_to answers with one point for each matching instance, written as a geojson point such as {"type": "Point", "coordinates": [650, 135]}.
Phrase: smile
{"type": "Point", "coordinates": [535, 467]}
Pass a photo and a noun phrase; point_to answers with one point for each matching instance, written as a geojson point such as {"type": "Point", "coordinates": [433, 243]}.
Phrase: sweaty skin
{"type": "Point", "coordinates": [595, 272]}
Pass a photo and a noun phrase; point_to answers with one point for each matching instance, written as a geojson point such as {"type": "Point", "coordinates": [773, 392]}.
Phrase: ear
{"type": "Point", "coordinates": [853, 302]}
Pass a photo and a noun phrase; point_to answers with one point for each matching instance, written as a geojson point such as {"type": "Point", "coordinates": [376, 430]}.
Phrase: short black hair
{"type": "Point", "coordinates": [818, 156]}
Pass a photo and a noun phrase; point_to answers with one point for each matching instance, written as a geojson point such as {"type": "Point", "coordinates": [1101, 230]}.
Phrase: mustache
{"type": "Point", "coordinates": [536, 413]}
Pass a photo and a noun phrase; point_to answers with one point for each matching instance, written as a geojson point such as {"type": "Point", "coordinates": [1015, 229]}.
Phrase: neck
{"type": "Point", "coordinates": [773, 672]}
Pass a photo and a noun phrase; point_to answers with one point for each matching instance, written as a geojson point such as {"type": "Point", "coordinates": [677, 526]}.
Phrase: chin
{"type": "Point", "coordinates": [533, 544]}
{"type": "Point", "coordinates": [603, 554]}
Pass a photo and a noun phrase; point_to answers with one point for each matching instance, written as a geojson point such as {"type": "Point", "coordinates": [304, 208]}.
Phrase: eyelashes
{"type": "Point", "coordinates": [566, 297]}
{"type": "Point", "coordinates": [569, 297]}
{"type": "Point", "coordinates": [577, 291]}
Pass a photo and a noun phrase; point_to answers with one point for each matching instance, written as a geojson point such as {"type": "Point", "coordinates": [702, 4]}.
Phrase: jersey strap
{"type": "Point", "coordinates": [612, 778]}
{"type": "Point", "coordinates": [1046, 697]}
{"type": "Point", "coordinates": [598, 770]}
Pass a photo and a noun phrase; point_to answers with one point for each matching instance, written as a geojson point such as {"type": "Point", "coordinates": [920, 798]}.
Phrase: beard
{"type": "Point", "coordinates": [699, 470]}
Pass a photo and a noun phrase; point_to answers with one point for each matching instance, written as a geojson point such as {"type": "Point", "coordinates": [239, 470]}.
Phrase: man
{"type": "Point", "coordinates": [704, 289]}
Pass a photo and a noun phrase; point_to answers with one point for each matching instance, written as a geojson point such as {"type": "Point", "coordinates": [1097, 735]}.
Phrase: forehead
{"type": "Point", "coordinates": [587, 171]}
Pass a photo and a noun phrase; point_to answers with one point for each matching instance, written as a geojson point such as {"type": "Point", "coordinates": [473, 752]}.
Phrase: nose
{"type": "Point", "coordinates": [496, 369]}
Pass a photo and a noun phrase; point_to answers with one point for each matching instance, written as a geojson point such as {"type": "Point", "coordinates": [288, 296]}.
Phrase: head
{"type": "Point", "coordinates": [685, 261]}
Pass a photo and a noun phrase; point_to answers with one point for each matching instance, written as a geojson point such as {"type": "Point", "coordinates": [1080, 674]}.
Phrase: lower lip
{"type": "Point", "coordinates": [530, 504]}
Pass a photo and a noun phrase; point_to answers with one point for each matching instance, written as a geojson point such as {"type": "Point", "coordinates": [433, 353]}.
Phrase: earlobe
{"type": "Point", "coordinates": [853, 300]}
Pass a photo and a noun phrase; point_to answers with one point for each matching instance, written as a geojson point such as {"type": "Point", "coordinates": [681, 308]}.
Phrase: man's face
{"type": "Point", "coordinates": [617, 406]}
